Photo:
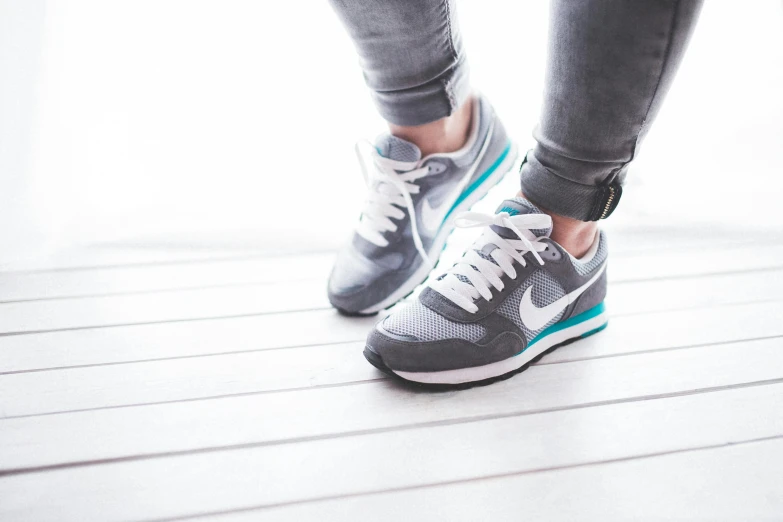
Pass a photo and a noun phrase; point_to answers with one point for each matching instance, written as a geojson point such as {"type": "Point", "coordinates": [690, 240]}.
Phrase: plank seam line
{"type": "Point", "coordinates": [647, 247]}
{"type": "Point", "coordinates": [383, 378]}
{"type": "Point", "coordinates": [542, 362]}
{"type": "Point", "coordinates": [354, 341]}
{"type": "Point", "coordinates": [318, 252]}
{"type": "Point", "coordinates": [701, 275]}
{"type": "Point", "coordinates": [162, 321]}
{"type": "Point", "coordinates": [361, 382]}
{"type": "Point", "coordinates": [198, 399]}
{"type": "Point", "coordinates": [179, 357]}
{"type": "Point", "coordinates": [316, 280]}
{"type": "Point", "coordinates": [323, 309]}
{"type": "Point", "coordinates": [147, 264]}
{"type": "Point", "coordinates": [710, 306]}
{"type": "Point", "coordinates": [124, 293]}
{"type": "Point", "coordinates": [389, 429]}
{"type": "Point", "coordinates": [483, 478]}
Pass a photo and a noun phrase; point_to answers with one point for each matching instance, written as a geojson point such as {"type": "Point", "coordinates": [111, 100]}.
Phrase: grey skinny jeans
{"type": "Point", "coordinates": [609, 66]}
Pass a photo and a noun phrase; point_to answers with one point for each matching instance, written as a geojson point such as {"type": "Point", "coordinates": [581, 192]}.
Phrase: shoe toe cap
{"type": "Point", "coordinates": [357, 282]}
{"type": "Point", "coordinates": [426, 342]}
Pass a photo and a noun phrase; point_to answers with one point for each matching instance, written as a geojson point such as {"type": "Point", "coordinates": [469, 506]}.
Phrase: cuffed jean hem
{"type": "Point", "coordinates": [566, 197]}
{"type": "Point", "coordinates": [431, 101]}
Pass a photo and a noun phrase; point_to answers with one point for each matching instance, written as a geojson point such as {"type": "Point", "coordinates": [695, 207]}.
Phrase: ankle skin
{"type": "Point", "coordinates": [575, 236]}
{"type": "Point", "coordinates": [444, 135]}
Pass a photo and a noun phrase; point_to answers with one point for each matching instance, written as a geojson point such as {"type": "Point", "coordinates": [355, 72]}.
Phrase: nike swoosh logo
{"type": "Point", "coordinates": [432, 218]}
{"type": "Point", "coordinates": [535, 318]}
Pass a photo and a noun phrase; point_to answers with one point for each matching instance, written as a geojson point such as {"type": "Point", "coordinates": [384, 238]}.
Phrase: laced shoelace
{"type": "Point", "coordinates": [472, 276]}
{"type": "Point", "coordinates": [390, 184]}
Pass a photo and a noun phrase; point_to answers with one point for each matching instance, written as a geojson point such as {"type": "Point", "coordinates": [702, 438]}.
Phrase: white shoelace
{"type": "Point", "coordinates": [390, 184]}
{"type": "Point", "coordinates": [481, 272]}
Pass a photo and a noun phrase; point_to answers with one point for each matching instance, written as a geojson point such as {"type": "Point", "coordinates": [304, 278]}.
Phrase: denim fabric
{"type": "Point", "coordinates": [610, 64]}
{"type": "Point", "coordinates": [411, 54]}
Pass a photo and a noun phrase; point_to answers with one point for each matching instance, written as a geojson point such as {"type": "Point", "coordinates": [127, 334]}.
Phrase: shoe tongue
{"type": "Point", "coordinates": [396, 148]}
{"type": "Point", "coordinates": [515, 207]}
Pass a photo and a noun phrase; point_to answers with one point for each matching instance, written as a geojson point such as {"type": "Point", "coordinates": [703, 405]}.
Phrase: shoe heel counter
{"type": "Point", "coordinates": [592, 297]}
{"type": "Point", "coordinates": [597, 292]}
{"type": "Point", "coordinates": [499, 146]}
{"type": "Point", "coordinates": [500, 138]}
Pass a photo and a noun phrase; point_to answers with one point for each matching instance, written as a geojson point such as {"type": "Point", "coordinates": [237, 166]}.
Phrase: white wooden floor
{"type": "Point", "coordinates": [152, 385]}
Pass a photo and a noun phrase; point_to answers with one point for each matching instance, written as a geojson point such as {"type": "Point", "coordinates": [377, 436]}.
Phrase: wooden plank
{"type": "Point", "coordinates": [626, 266]}
{"type": "Point", "coordinates": [740, 482]}
{"type": "Point", "coordinates": [165, 277]}
{"type": "Point", "coordinates": [160, 341]}
{"type": "Point", "coordinates": [179, 305]}
{"type": "Point", "coordinates": [36, 316]}
{"type": "Point", "coordinates": [263, 371]}
{"type": "Point", "coordinates": [171, 340]}
{"type": "Point", "coordinates": [670, 330]}
{"type": "Point", "coordinates": [378, 462]}
{"type": "Point", "coordinates": [665, 263]}
{"type": "Point", "coordinates": [642, 233]}
{"type": "Point", "coordinates": [183, 379]}
{"type": "Point", "coordinates": [271, 418]}
{"type": "Point", "coordinates": [680, 294]}
{"type": "Point", "coordinates": [87, 257]}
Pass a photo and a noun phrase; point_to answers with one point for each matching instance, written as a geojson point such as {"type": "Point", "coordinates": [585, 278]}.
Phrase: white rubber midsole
{"type": "Point", "coordinates": [421, 273]}
{"type": "Point", "coordinates": [488, 371]}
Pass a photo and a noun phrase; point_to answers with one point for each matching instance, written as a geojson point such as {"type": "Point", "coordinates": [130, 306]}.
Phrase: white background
{"type": "Point", "coordinates": [231, 123]}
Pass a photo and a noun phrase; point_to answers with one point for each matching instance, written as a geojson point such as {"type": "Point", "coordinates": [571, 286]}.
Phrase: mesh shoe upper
{"type": "Point", "coordinates": [462, 337]}
{"type": "Point", "coordinates": [416, 320]}
{"type": "Point", "coordinates": [406, 220]}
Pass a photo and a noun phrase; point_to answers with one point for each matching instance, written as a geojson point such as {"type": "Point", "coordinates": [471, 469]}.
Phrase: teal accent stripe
{"type": "Point", "coordinates": [584, 316]}
{"type": "Point", "coordinates": [481, 179]}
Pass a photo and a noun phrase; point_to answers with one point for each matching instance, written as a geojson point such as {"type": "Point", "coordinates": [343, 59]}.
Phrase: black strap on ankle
{"type": "Point", "coordinates": [606, 201]}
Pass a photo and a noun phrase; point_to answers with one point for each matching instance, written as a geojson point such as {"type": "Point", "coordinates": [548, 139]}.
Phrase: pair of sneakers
{"type": "Point", "coordinates": [515, 294]}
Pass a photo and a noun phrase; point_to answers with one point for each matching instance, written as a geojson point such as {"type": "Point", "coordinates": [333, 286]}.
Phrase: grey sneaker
{"type": "Point", "coordinates": [515, 296]}
{"type": "Point", "coordinates": [390, 254]}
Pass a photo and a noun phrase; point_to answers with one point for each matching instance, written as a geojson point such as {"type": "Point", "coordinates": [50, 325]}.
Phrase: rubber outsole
{"type": "Point", "coordinates": [348, 313]}
{"type": "Point", "coordinates": [376, 360]}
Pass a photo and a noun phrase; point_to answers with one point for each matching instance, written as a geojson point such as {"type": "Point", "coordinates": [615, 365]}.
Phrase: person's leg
{"type": "Point", "coordinates": [414, 64]}
{"type": "Point", "coordinates": [610, 65]}
{"type": "Point", "coordinates": [444, 151]}
{"type": "Point", "coordinates": [536, 278]}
